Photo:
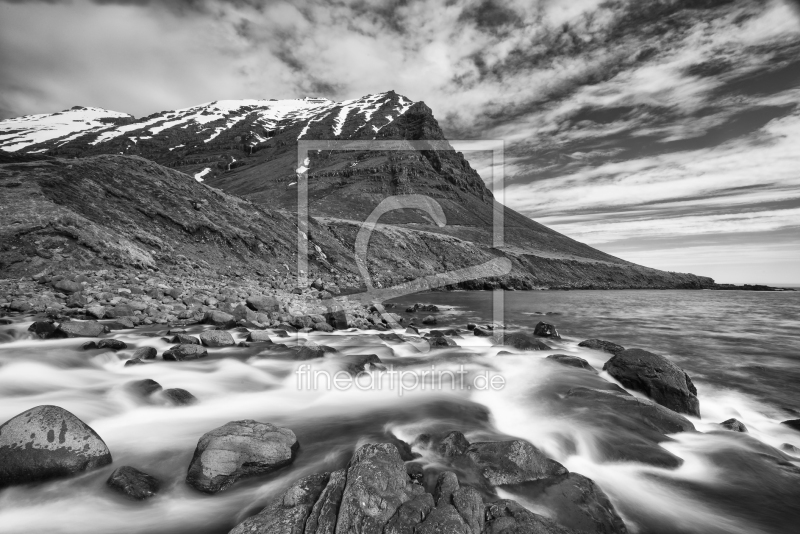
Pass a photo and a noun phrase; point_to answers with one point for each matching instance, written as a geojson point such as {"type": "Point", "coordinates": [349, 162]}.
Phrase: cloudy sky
{"type": "Point", "coordinates": [666, 132]}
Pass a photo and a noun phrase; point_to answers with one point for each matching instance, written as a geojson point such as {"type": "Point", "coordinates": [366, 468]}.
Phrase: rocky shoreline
{"type": "Point", "coordinates": [386, 486]}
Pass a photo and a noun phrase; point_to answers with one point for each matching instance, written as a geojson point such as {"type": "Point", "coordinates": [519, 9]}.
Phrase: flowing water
{"type": "Point", "coordinates": [742, 350]}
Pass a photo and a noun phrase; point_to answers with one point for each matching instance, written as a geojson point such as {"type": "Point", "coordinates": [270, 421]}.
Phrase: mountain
{"type": "Point", "coordinates": [248, 149]}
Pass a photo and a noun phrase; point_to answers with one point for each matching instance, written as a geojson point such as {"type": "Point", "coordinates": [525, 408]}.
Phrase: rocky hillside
{"type": "Point", "coordinates": [248, 149]}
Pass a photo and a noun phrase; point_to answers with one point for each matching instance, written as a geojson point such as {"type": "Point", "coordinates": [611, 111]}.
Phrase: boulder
{"type": "Point", "coordinates": [98, 312]}
{"type": "Point", "coordinates": [469, 504]}
{"type": "Point", "coordinates": [144, 387]}
{"type": "Point", "coordinates": [219, 318]}
{"type": "Point", "coordinates": [145, 353]}
{"type": "Point", "coordinates": [518, 341]}
{"type": "Point", "coordinates": [259, 336]}
{"type": "Point", "coordinates": [179, 397]}
{"type": "Point", "coordinates": [216, 338]}
{"type": "Point", "coordinates": [605, 346]}
{"type": "Point", "coordinates": [573, 501]}
{"type": "Point", "coordinates": [430, 319]}
{"type": "Point", "coordinates": [446, 485]}
{"type": "Point", "coordinates": [239, 449]}
{"type": "Point", "coordinates": [120, 310]}
{"type": "Point", "coordinates": [82, 329]}
{"type": "Point", "coordinates": [377, 485]}
{"type": "Point", "coordinates": [180, 353]}
{"type": "Point", "coordinates": [47, 442]}
{"type": "Point", "coordinates": [481, 332]}
{"type": "Point", "coordinates": [441, 342]}
{"type": "Point", "coordinates": [543, 329]}
{"type": "Point", "coordinates": [508, 517]}
{"type": "Point", "coordinates": [113, 344]}
{"type": "Point", "coordinates": [76, 300]}
{"type": "Point", "coordinates": [89, 345]}
{"type": "Point", "coordinates": [571, 361]}
{"type": "Point", "coordinates": [311, 351]}
{"type": "Point", "coordinates": [68, 287]}
{"type": "Point", "coordinates": [361, 363]}
{"type": "Point", "coordinates": [626, 428]}
{"type": "Point", "coordinates": [289, 513]}
{"type": "Point", "coordinates": [452, 445]}
{"type": "Point", "coordinates": [185, 339]}
{"type": "Point", "coordinates": [410, 514]}
{"type": "Point", "coordinates": [512, 462]}
{"type": "Point", "coordinates": [791, 449]}
{"type": "Point", "coordinates": [133, 483]}
{"type": "Point", "coordinates": [794, 424]}
{"type": "Point", "coordinates": [656, 377]}
{"type": "Point", "coordinates": [45, 330]}
{"type": "Point", "coordinates": [133, 361]}
{"type": "Point", "coordinates": [323, 516]}
{"type": "Point", "coordinates": [734, 425]}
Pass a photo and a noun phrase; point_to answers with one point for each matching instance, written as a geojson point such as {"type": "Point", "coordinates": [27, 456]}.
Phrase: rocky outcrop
{"type": "Point", "coordinates": [375, 495]}
{"type": "Point", "coordinates": [599, 344]}
{"type": "Point", "coordinates": [518, 341]}
{"type": "Point", "coordinates": [133, 483]}
{"type": "Point", "coordinates": [733, 425]}
{"type": "Point", "coordinates": [216, 338]}
{"type": "Point", "coordinates": [571, 361]}
{"type": "Point", "coordinates": [180, 353]}
{"type": "Point", "coordinates": [512, 462]}
{"type": "Point", "coordinates": [48, 442]}
{"type": "Point", "coordinates": [656, 377]}
{"type": "Point", "coordinates": [239, 449]}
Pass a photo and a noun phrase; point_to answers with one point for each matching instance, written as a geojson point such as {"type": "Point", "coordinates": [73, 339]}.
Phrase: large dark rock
{"type": "Point", "coordinates": [220, 318]}
{"type": "Point", "coordinates": [216, 338]}
{"type": "Point", "coordinates": [508, 517]}
{"type": "Point", "coordinates": [145, 353]}
{"type": "Point", "coordinates": [452, 445]}
{"type": "Point", "coordinates": [626, 428]}
{"type": "Point", "coordinates": [481, 332]}
{"type": "Point", "coordinates": [512, 462]}
{"type": "Point", "coordinates": [377, 485]}
{"type": "Point", "coordinates": [82, 328]}
{"type": "Point", "coordinates": [144, 387]}
{"type": "Point", "coordinates": [180, 397]}
{"type": "Point", "coordinates": [133, 483]}
{"type": "Point", "coordinates": [263, 304]}
{"type": "Point", "coordinates": [47, 442]}
{"type": "Point", "coordinates": [239, 449]}
{"type": "Point", "coordinates": [599, 344]}
{"type": "Point", "coordinates": [113, 344]}
{"type": "Point", "coordinates": [180, 353]}
{"type": "Point", "coordinates": [185, 339]}
{"type": "Point", "coordinates": [325, 512]}
{"type": "Point", "coordinates": [45, 330]}
{"type": "Point", "coordinates": [543, 329]}
{"type": "Point", "coordinates": [571, 361]}
{"type": "Point", "coordinates": [441, 342]}
{"type": "Point", "coordinates": [519, 341]}
{"type": "Point", "coordinates": [289, 513]}
{"type": "Point", "coordinates": [259, 336]}
{"type": "Point", "coordinates": [794, 424]}
{"type": "Point", "coordinates": [734, 425]}
{"type": "Point", "coordinates": [656, 377]}
{"type": "Point", "coordinates": [574, 501]}
{"type": "Point", "coordinates": [410, 514]}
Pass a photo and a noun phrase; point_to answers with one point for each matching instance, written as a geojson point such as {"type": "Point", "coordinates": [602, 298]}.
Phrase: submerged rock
{"type": "Point", "coordinates": [794, 424]}
{"type": "Point", "coordinates": [543, 329]}
{"type": "Point", "coordinates": [180, 397]}
{"type": "Point", "coordinates": [734, 425]}
{"type": "Point", "coordinates": [133, 483]}
{"type": "Point", "coordinates": [216, 338]}
{"type": "Point", "coordinates": [656, 377]}
{"type": "Point", "coordinates": [180, 353]}
{"type": "Point", "coordinates": [82, 329]}
{"type": "Point", "coordinates": [113, 344]}
{"type": "Point", "coordinates": [508, 517]}
{"type": "Point", "coordinates": [519, 341]}
{"type": "Point", "coordinates": [605, 346]}
{"type": "Point", "coordinates": [571, 361]}
{"type": "Point", "coordinates": [47, 442]}
{"type": "Point", "coordinates": [145, 353]}
{"type": "Point", "coordinates": [144, 387]}
{"type": "Point", "coordinates": [239, 449]}
{"type": "Point", "coordinates": [512, 462]}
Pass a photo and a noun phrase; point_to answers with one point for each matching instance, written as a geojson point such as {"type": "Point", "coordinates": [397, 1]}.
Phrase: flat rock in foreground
{"type": "Point", "coordinates": [239, 449]}
{"type": "Point", "coordinates": [656, 377]}
{"type": "Point", "coordinates": [48, 442]}
{"type": "Point", "coordinates": [512, 462]}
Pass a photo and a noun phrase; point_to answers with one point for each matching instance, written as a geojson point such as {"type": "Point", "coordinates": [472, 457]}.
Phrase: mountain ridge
{"type": "Point", "coordinates": [249, 149]}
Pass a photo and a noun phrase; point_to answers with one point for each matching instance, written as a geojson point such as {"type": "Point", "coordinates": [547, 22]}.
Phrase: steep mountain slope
{"type": "Point", "coordinates": [249, 149]}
